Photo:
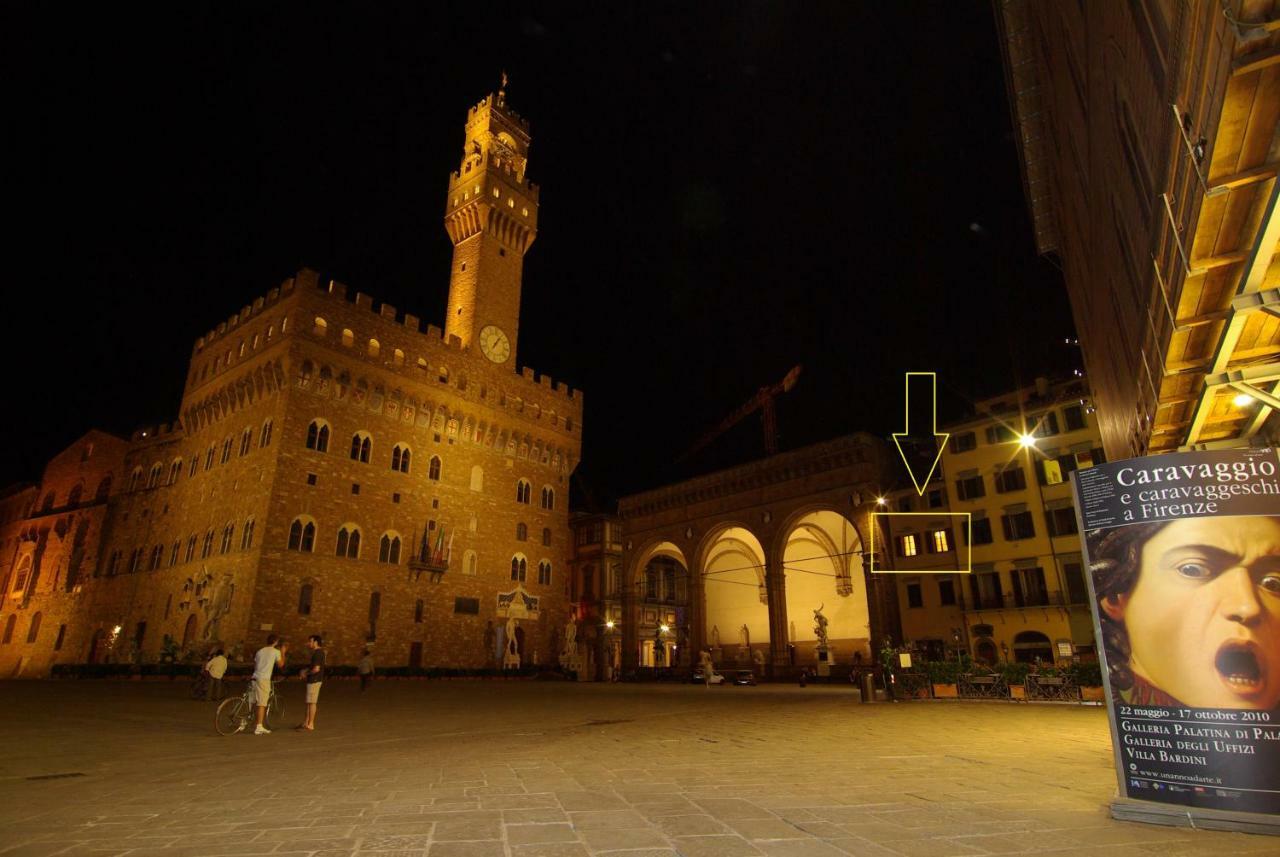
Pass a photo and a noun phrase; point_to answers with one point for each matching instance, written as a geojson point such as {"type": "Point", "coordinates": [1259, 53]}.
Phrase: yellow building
{"type": "Point", "coordinates": [1009, 468]}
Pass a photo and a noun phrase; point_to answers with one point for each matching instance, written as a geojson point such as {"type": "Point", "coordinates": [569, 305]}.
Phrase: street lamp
{"type": "Point", "coordinates": [1027, 441]}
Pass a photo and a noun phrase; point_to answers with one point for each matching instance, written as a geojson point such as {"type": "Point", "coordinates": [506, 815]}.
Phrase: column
{"type": "Point", "coordinates": [630, 630]}
{"type": "Point", "coordinates": [775, 585]}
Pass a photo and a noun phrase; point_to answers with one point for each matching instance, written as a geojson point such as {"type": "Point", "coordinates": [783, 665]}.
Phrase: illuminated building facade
{"type": "Point", "coordinates": [337, 468]}
{"type": "Point", "coordinates": [1009, 469]}
{"type": "Point", "coordinates": [1148, 139]}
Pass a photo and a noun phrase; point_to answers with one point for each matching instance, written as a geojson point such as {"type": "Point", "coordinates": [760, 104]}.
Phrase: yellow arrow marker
{"type": "Point", "coordinates": [939, 437]}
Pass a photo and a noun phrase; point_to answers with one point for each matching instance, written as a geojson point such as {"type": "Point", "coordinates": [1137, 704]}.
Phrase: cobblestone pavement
{"type": "Point", "coordinates": [531, 769]}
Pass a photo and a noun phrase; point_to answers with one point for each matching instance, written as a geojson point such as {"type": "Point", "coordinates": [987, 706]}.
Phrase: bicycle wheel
{"type": "Point", "coordinates": [233, 715]}
{"type": "Point", "coordinates": [275, 711]}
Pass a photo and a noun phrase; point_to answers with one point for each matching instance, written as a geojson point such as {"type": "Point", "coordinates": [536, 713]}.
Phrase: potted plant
{"type": "Point", "coordinates": [1015, 678]}
{"type": "Point", "coordinates": [1088, 677]}
{"type": "Point", "coordinates": [943, 675]}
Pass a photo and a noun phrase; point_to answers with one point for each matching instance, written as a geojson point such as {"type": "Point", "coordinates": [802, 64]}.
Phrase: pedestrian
{"type": "Point", "coordinates": [365, 669]}
{"type": "Point", "coordinates": [314, 676]}
{"type": "Point", "coordinates": [804, 675]}
{"type": "Point", "coordinates": [216, 668]}
{"type": "Point", "coordinates": [265, 660]}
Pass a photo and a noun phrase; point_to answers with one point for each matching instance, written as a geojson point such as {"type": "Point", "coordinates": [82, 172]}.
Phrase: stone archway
{"type": "Point", "coordinates": [821, 558]}
{"type": "Point", "coordinates": [732, 571]}
{"type": "Point", "coordinates": [655, 596]}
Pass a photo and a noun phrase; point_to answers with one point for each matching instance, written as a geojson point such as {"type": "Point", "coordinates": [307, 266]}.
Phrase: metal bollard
{"type": "Point", "coordinates": [868, 682]}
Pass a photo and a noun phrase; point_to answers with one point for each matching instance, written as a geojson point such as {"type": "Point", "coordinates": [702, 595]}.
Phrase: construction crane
{"type": "Point", "coordinates": [762, 401]}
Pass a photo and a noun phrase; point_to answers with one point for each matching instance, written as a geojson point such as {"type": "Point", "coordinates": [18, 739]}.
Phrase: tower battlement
{"type": "Point", "coordinates": [247, 312]}
{"type": "Point", "coordinates": [384, 315]}
{"type": "Point", "coordinates": [459, 181]}
{"type": "Point", "coordinates": [498, 101]}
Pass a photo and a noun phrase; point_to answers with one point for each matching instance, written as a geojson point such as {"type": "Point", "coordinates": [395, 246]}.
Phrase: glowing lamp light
{"type": "Point", "coordinates": [1026, 441]}
{"type": "Point", "coordinates": [881, 501]}
{"type": "Point", "coordinates": [609, 624]}
{"type": "Point", "coordinates": [665, 628]}
{"type": "Point", "coordinates": [1243, 400]}
{"type": "Point", "coordinates": [116, 629]}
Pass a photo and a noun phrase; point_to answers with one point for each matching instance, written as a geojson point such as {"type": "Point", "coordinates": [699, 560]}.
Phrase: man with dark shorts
{"type": "Point", "coordinates": [314, 675]}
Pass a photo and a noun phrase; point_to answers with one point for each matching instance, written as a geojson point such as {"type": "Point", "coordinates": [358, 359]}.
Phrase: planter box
{"type": "Point", "coordinates": [1017, 691]}
{"type": "Point", "coordinates": [945, 691]}
{"type": "Point", "coordinates": [1092, 694]}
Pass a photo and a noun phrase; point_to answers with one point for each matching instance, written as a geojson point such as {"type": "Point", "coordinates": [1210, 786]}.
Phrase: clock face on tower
{"type": "Point", "coordinates": [494, 344]}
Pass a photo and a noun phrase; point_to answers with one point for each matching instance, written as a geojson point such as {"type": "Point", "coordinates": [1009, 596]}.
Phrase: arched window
{"type": "Point", "coordinates": [77, 490]}
{"type": "Point", "coordinates": [544, 572]}
{"type": "Point", "coordinates": [374, 348]}
{"type": "Point", "coordinates": [113, 563]}
{"type": "Point", "coordinates": [195, 462]}
{"type": "Point", "coordinates": [477, 478]}
{"type": "Point", "coordinates": [433, 468]}
{"type": "Point", "coordinates": [191, 547]}
{"type": "Point", "coordinates": [8, 628]}
{"type": "Point", "coordinates": [318, 436]}
{"type": "Point", "coordinates": [320, 328]}
{"type": "Point", "coordinates": [305, 594]}
{"type": "Point", "coordinates": [135, 479]}
{"type": "Point", "coordinates": [104, 489]}
{"type": "Point", "coordinates": [175, 553]}
{"type": "Point", "coordinates": [175, 470]}
{"type": "Point", "coordinates": [207, 547]}
{"type": "Point", "coordinates": [20, 579]}
{"type": "Point", "coordinates": [400, 458]}
{"type": "Point", "coordinates": [444, 375]}
{"type": "Point", "coordinates": [302, 535]}
{"type": "Point", "coordinates": [519, 567]}
{"type": "Point", "coordinates": [264, 438]}
{"type": "Point", "coordinates": [135, 559]}
{"type": "Point", "coordinates": [208, 458]}
{"type": "Point", "coordinates": [228, 533]}
{"type": "Point", "coordinates": [246, 440]}
{"type": "Point", "coordinates": [157, 557]}
{"type": "Point", "coordinates": [153, 478]}
{"type": "Point", "coordinates": [1032, 646]}
{"type": "Point", "coordinates": [546, 535]}
{"type": "Point", "coordinates": [348, 338]}
{"type": "Point", "coordinates": [524, 490]}
{"type": "Point", "coordinates": [389, 548]}
{"type": "Point", "coordinates": [522, 532]}
{"type": "Point", "coordinates": [397, 357]}
{"type": "Point", "coordinates": [418, 609]}
{"type": "Point", "coordinates": [361, 447]}
{"type": "Point", "coordinates": [348, 541]}
{"type": "Point", "coordinates": [548, 497]}
{"type": "Point", "coordinates": [226, 451]}
{"type": "Point", "coordinates": [33, 630]}
{"type": "Point", "coordinates": [246, 538]}
{"type": "Point", "coordinates": [469, 563]}
{"type": "Point", "coordinates": [422, 365]}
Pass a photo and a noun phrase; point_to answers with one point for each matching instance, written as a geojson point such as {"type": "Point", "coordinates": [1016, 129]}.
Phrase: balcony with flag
{"type": "Point", "coordinates": [432, 555]}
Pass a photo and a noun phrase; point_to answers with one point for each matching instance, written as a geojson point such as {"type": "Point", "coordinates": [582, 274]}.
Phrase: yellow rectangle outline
{"type": "Point", "coordinates": [968, 517]}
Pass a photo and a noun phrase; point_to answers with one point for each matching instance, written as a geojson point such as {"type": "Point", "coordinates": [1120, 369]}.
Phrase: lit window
{"type": "Point", "coordinates": [497, 193]}
{"type": "Point", "coordinates": [908, 545]}
{"type": "Point", "coordinates": [941, 544]}
{"type": "Point", "coordinates": [348, 338]}
{"type": "Point", "coordinates": [320, 329]}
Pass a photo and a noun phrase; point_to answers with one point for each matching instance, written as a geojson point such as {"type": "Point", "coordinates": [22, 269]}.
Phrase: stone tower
{"type": "Point", "coordinates": [491, 215]}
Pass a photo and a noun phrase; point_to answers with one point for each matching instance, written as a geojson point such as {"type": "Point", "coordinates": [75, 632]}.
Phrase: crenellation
{"type": "Point", "coordinates": [413, 322]}
{"type": "Point", "coordinates": [387, 311]}
{"type": "Point", "coordinates": [545, 380]}
{"type": "Point", "coordinates": [527, 373]}
{"type": "Point", "coordinates": [434, 333]}
{"type": "Point", "coordinates": [363, 301]}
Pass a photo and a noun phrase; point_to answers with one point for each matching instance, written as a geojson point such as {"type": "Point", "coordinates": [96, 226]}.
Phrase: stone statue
{"type": "Point", "coordinates": [570, 637]}
{"type": "Point", "coordinates": [218, 607]}
{"type": "Point", "coordinates": [757, 657]}
{"type": "Point", "coordinates": [511, 659]}
{"type": "Point", "coordinates": [820, 627]}
{"type": "Point", "coordinates": [715, 636]}
{"type": "Point", "coordinates": [744, 637]}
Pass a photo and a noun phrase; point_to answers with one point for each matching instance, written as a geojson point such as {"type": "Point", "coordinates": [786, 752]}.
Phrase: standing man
{"type": "Point", "coordinates": [265, 660]}
{"type": "Point", "coordinates": [216, 668]}
{"type": "Point", "coordinates": [314, 676]}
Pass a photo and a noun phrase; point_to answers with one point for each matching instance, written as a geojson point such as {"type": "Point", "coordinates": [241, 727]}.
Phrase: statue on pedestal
{"type": "Point", "coordinates": [820, 627]}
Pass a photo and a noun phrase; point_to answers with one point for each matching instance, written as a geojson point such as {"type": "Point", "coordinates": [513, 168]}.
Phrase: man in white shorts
{"type": "Point", "coordinates": [264, 663]}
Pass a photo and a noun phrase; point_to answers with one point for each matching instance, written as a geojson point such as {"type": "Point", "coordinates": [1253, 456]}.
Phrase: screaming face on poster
{"type": "Point", "coordinates": [1190, 611]}
{"type": "Point", "coordinates": [1183, 552]}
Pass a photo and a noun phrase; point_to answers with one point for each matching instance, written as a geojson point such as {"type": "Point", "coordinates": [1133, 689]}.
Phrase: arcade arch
{"type": "Point", "coordinates": [822, 560]}
{"type": "Point", "coordinates": [732, 573]}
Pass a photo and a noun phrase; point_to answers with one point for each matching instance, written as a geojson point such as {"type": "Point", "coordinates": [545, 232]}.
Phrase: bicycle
{"type": "Point", "coordinates": [237, 714]}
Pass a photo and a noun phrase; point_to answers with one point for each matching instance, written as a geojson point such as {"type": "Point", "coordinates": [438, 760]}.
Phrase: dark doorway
{"type": "Point", "coordinates": [415, 654]}
{"type": "Point", "coordinates": [96, 646]}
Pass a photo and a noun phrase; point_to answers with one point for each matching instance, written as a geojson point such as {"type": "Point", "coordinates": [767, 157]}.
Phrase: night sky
{"type": "Point", "coordinates": [727, 190]}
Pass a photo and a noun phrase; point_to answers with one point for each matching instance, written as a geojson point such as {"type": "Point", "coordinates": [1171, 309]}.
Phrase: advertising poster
{"type": "Point", "coordinates": [1183, 558]}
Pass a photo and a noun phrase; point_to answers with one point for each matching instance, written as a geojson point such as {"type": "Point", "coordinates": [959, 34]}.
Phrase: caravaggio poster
{"type": "Point", "coordinates": [1183, 552]}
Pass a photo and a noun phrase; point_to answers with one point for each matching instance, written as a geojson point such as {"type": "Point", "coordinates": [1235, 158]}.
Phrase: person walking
{"type": "Point", "coordinates": [216, 667]}
{"type": "Point", "coordinates": [265, 660]}
{"type": "Point", "coordinates": [365, 669]}
{"type": "Point", "coordinates": [314, 676]}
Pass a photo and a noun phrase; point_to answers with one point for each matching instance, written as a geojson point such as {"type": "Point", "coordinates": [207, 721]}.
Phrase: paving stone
{"type": "Point", "coordinates": [617, 839]}
{"type": "Point", "coordinates": [714, 846]}
{"type": "Point", "coordinates": [613, 818]}
{"type": "Point", "coordinates": [467, 849]}
{"type": "Point", "coordinates": [525, 834]}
